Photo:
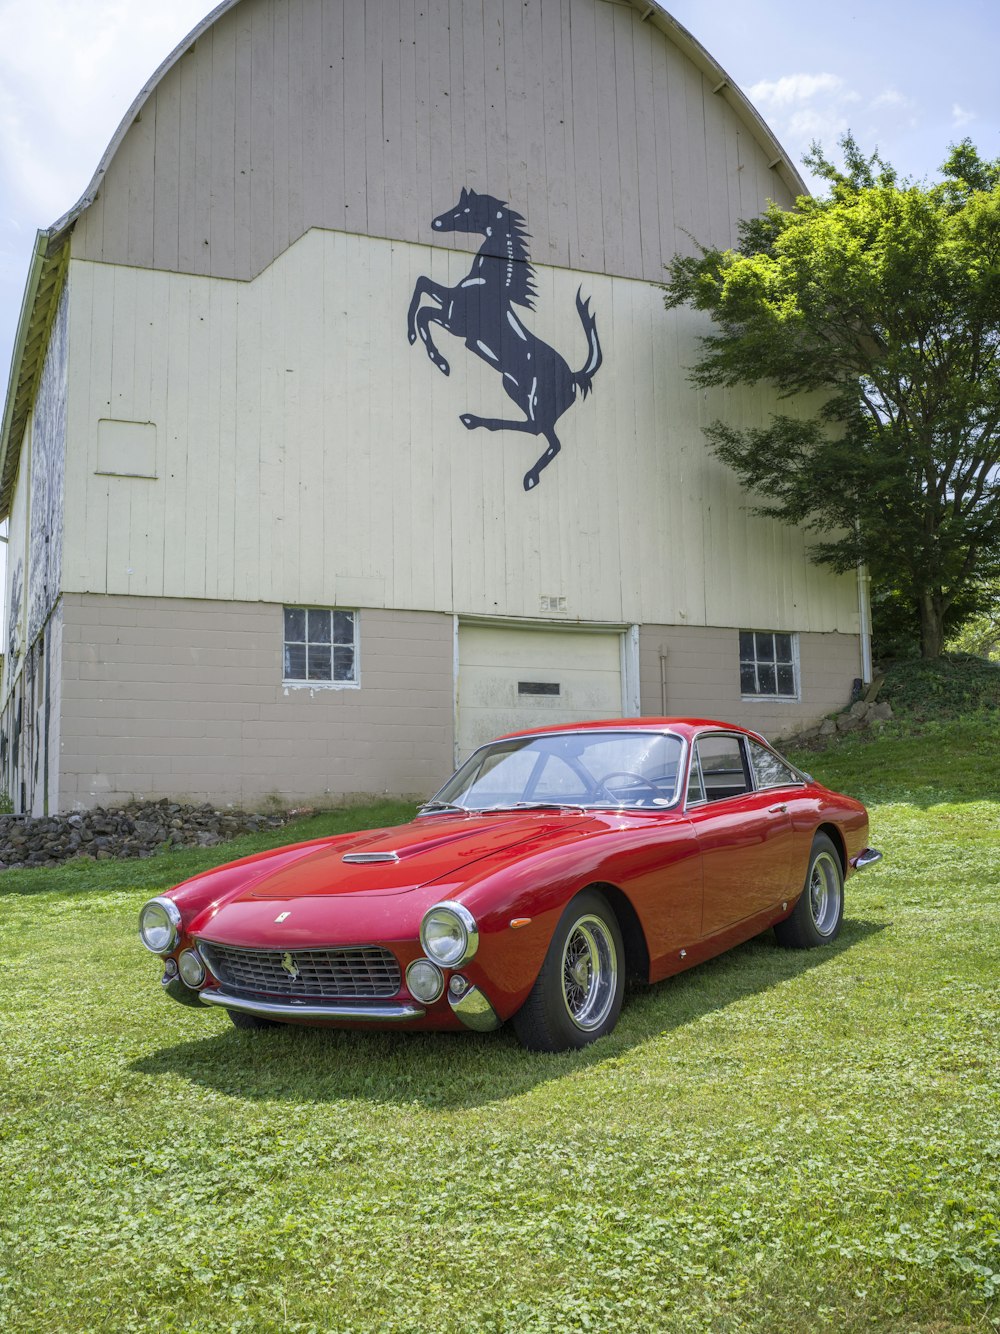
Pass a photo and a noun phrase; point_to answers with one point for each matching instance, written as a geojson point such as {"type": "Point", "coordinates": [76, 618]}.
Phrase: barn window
{"type": "Point", "coordinates": [321, 646]}
{"type": "Point", "coordinates": [769, 664]}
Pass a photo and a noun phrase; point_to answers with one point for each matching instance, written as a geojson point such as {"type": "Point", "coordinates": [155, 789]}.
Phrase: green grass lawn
{"type": "Point", "coordinates": [773, 1141]}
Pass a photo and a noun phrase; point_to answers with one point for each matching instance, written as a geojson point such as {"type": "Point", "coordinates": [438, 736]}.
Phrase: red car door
{"type": "Point", "coordinates": [745, 836]}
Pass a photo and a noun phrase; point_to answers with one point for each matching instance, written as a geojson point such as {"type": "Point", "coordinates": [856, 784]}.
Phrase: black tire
{"type": "Point", "coordinates": [573, 1003]}
{"type": "Point", "coordinates": [819, 912]}
{"type": "Point", "coordinates": [242, 1020]}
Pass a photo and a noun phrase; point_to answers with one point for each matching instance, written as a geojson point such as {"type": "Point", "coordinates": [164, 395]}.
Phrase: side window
{"type": "Point", "coordinates": [768, 770]}
{"type": "Point", "coordinates": [696, 789]}
{"type": "Point", "coordinates": [723, 767]}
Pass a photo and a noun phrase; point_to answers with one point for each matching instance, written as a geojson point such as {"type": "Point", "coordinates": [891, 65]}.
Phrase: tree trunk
{"type": "Point", "coordinates": [931, 625]}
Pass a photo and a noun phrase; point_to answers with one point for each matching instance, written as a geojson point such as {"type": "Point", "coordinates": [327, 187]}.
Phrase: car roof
{"type": "Point", "coordinates": [683, 727]}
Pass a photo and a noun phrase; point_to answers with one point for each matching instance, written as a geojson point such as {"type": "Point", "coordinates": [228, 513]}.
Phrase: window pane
{"type": "Point", "coordinates": [557, 779]}
{"type": "Point", "coordinates": [295, 624]}
{"type": "Point", "coordinates": [722, 767]}
{"type": "Point", "coordinates": [746, 645]}
{"type": "Point", "coordinates": [343, 664]}
{"type": "Point", "coordinates": [768, 769]}
{"type": "Point", "coordinates": [786, 680]}
{"type": "Point", "coordinates": [503, 774]}
{"type": "Point", "coordinates": [784, 647]}
{"type": "Point", "coordinates": [766, 678]}
{"type": "Point", "coordinates": [765, 648]}
{"type": "Point", "coordinates": [319, 626]}
{"type": "Point", "coordinates": [295, 662]}
{"type": "Point", "coordinates": [748, 678]}
{"type": "Point", "coordinates": [319, 662]}
{"type": "Point", "coordinates": [343, 627]}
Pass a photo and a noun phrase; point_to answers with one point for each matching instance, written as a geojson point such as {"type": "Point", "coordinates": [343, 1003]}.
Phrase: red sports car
{"type": "Point", "coordinates": [552, 866]}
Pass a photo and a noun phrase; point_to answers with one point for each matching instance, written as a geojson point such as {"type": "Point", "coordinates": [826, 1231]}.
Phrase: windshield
{"type": "Point", "coordinates": [630, 769]}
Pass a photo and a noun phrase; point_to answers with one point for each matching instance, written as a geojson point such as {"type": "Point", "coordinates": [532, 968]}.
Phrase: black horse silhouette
{"type": "Point", "coordinates": [480, 310]}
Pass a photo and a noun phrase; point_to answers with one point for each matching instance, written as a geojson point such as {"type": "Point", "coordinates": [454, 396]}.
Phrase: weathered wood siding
{"type": "Point", "coordinates": [306, 452]}
{"type": "Point", "coordinates": [369, 116]}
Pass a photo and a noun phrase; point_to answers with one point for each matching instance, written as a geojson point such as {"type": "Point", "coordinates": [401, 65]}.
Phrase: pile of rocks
{"type": "Point", "coordinates": [136, 830]}
{"type": "Point", "coordinates": [862, 713]}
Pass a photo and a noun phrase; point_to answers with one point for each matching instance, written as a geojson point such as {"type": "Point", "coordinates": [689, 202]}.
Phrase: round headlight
{"type": "Point", "coordinates": [191, 968]}
{"type": "Point", "coordinates": [424, 981]}
{"type": "Point", "coordinates": [449, 934]}
{"type": "Point", "coordinates": [159, 925]}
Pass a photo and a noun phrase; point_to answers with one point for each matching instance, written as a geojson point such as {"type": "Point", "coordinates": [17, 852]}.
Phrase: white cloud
{"type": "Point", "coordinates": [795, 88]}
{"type": "Point", "coordinates": [960, 115]}
{"type": "Point", "coordinates": [888, 99]}
{"type": "Point", "coordinates": [67, 77]}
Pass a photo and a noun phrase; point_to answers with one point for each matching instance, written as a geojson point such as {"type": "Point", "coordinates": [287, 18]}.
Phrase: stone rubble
{"type": "Point", "coordinates": [136, 830]}
{"type": "Point", "coordinates": [861, 714]}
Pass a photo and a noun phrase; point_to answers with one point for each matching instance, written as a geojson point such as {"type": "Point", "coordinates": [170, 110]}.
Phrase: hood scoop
{"type": "Point", "coordinates": [362, 858]}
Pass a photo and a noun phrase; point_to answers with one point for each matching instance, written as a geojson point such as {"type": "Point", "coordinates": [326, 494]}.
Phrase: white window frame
{"type": "Point", "coordinates": [776, 698]}
{"type": "Point", "coordinates": [301, 683]}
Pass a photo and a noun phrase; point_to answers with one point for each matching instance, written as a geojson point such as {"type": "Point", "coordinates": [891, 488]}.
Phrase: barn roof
{"type": "Point", "coordinates": [51, 253]}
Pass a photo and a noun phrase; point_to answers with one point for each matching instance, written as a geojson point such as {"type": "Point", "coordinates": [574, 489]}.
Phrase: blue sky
{"type": "Point", "coordinates": [909, 77]}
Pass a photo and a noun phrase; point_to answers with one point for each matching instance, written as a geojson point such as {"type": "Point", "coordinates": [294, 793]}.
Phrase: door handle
{"type": "Point", "coordinates": [777, 810]}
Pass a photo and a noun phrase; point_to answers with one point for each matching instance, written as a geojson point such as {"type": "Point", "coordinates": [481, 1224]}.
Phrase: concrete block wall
{"type": "Point", "coordinates": [184, 698]}
{"type": "Point", "coordinates": [698, 675]}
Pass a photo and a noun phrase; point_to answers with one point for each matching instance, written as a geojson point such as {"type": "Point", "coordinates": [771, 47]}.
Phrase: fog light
{"type": "Point", "coordinates": [192, 970]}
{"type": "Point", "coordinates": [169, 968]}
{"type": "Point", "coordinates": [424, 980]}
{"type": "Point", "coordinates": [458, 985]}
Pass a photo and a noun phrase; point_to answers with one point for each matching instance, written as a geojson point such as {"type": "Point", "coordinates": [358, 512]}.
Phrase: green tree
{"type": "Point", "coordinates": [979, 634]}
{"type": "Point", "coordinates": [882, 298]}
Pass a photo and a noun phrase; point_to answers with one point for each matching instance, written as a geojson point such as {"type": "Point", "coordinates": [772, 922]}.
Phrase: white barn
{"type": "Point", "coordinates": [259, 544]}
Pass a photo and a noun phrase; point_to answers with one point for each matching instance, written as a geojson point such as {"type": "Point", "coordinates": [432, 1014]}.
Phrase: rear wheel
{"type": "Point", "coordinates": [817, 915]}
{"type": "Point", "coordinates": [242, 1020]}
{"type": "Point", "coordinates": [577, 996]}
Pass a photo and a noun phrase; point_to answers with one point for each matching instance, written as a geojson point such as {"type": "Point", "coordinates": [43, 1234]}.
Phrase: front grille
{"type": "Point", "coordinates": [366, 970]}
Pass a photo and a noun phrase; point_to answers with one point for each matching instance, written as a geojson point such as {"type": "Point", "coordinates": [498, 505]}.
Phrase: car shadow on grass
{"type": "Point", "coordinates": [452, 1071]}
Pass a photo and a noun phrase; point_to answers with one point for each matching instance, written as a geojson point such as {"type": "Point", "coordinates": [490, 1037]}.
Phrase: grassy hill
{"type": "Point", "coordinates": [770, 1142]}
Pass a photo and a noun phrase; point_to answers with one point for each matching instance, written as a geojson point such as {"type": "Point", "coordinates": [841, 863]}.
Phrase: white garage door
{"type": "Point", "coordinates": [511, 678]}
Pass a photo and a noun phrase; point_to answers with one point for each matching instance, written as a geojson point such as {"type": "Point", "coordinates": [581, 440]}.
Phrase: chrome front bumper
{"type": "Point", "coordinates": [291, 1009]}
{"type": "Point", "coordinates": [866, 857]}
{"type": "Point", "coordinates": [474, 1010]}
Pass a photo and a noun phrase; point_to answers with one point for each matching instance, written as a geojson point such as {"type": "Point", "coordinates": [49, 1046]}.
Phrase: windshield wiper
{"type": "Point", "coordinates": [440, 806]}
{"type": "Point", "coordinates": [537, 806]}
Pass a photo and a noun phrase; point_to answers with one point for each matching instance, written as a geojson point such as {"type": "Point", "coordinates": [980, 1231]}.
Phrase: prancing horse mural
{"type": "Point", "coordinates": [481, 310]}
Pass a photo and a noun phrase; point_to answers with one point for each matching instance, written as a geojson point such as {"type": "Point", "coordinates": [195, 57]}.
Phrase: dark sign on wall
{"type": "Point", "coordinates": [481, 311]}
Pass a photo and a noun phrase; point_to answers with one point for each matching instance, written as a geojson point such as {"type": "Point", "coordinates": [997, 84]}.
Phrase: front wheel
{"type": "Point", "coordinates": [817, 915]}
{"type": "Point", "coordinates": [577, 996]}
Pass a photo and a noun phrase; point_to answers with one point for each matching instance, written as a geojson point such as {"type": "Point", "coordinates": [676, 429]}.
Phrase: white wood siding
{"type": "Point", "coordinates": [307, 453]}
{"type": "Point", "coordinates": [368, 116]}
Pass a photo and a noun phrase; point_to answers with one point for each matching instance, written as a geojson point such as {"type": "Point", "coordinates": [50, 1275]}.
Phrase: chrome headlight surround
{"type": "Point", "coordinates": [424, 981]}
{"type": "Point", "coordinates": [159, 925]}
{"type": "Point", "coordinates": [191, 967]}
{"type": "Point", "coordinates": [449, 935]}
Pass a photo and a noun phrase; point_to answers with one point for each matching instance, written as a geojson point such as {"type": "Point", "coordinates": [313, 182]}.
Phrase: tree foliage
{"type": "Point", "coordinates": [882, 298]}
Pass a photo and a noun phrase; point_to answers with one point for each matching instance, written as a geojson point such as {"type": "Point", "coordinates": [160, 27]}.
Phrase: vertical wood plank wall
{"type": "Point", "coordinates": [306, 452]}
{"type": "Point", "coordinates": [369, 116]}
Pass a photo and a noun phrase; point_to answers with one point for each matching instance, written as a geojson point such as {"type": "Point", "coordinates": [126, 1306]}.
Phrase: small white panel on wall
{"type": "Point", "coordinates": [126, 449]}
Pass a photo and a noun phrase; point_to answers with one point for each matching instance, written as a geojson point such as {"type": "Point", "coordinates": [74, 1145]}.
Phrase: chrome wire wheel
{"type": "Point", "coordinates": [589, 972]}
{"type": "Point", "coordinates": [825, 893]}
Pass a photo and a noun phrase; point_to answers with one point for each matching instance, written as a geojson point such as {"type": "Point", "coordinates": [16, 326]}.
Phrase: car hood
{"type": "Point", "coordinates": [395, 861]}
